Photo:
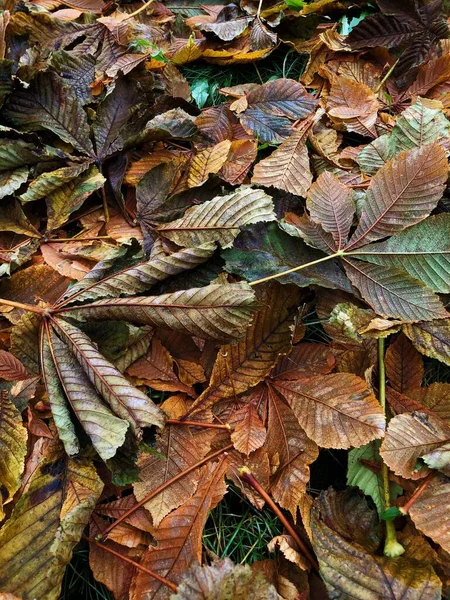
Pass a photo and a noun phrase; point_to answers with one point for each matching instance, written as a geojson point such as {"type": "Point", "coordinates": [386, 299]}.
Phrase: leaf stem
{"type": "Point", "coordinates": [392, 547]}
{"type": "Point", "coordinates": [299, 268]}
{"type": "Point", "coordinates": [29, 307]}
{"type": "Point", "coordinates": [163, 580]}
{"type": "Point", "coordinates": [248, 477]}
{"type": "Point", "coordinates": [227, 426]}
{"type": "Point", "coordinates": [139, 10]}
{"type": "Point", "coordinates": [385, 78]}
{"type": "Point", "coordinates": [165, 485]}
{"type": "Point", "coordinates": [419, 491]}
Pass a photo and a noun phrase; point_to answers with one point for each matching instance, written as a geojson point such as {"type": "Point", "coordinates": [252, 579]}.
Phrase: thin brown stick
{"type": "Point", "coordinates": [248, 477]}
{"type": "Point", "coordinates": [165, 485]}
{"type": "Point", "coordinates": [419, 491]}
{"type": "Point", "coordinates": [199, 424]}
{"type": "Point", "coordinates": [80, 239]}
{"type": "Point", "coordinates": [30, 307]}
{"type": "Point", "coordinates": [105, 203]}
{"type": "Point", "coordinates": [159, 578]}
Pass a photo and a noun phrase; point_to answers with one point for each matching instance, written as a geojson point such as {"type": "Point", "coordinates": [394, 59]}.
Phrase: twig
{"type": "Point", "coordinates": [248, 477]}
{"type": "Point", "coordinates": [139, 10]}
{"type": "Point", "coordinates": [159, 578]}
{"type": "Point", "coordinates": [165, 485]}
{"type": "Point", "coordinates": [419, 491]}
{"type": "Point", "coordinates": [105, 201]}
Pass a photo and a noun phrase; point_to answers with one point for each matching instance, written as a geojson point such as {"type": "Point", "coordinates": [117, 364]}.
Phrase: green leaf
{"type": "Point", "coordinates": [418, 126]}
{"type": "Point", "coordinates": [423, 251]}
{"type": "Point", "coordinates": [364, 478]}
{"type": "Point", "coordinates": [218, 312]}
{"type": "Point", "coordinates": [394, 293]}
{"type": "Point", "coordinates": [200, 91]}
{"type": "Point", "coordinates": [48, 104]}
{"type": "Point", "coordinates": [402, 193]}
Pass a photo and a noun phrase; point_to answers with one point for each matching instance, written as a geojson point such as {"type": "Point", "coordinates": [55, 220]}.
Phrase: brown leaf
{"type": "Point", "coordinates": [249, 433]}
{"type": "Point", "coordinates": [241, 156]}
{"type": "Point", "coordinates": [404, 365]}
{"type": "Point", "coordinates": [11, 368]}
{"type": "Point", "coordinates": [241, 366]}
{"type": "Point", "coordinates": [410, 436]}
{"type": "Point", "coordinates": [430, 511]}
{"type": "Point", "coordinates": [207, 161]}
{"type": "Point", "coordinates": [336, 411]}
{"type": "Point", "coordinates": [179, 537]}
{"type": "Point", "coordinates": [354, 104]}
{"type": "Point", "coordinates": [176, 450]}
{"type": "Point", "coordinates": [290, 452]}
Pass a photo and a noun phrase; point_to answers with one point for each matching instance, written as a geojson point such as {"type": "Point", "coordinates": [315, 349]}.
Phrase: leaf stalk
{"type": "Point", "coordinates": [29, 307]}
{"type": "Point", "coordinates": [298, 268]}
{"type": "Point", "coordinates": [392, 547]}
{"type": "Point", "coordinates": [248, 477]}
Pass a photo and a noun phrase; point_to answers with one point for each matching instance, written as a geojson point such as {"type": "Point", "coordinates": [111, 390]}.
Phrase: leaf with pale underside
{"type": "Point", "coordinates": [287, 168]}
{"type": "Point", "coordinates": [409, 437]}
{"type": "Point", "coordinates": [177, 449]}
{"type": "Point", "coordinates": [36, 543]}
{"type": "Point", "coordinates": [350, 570]}
{"type": "Point", "coordinates": [241, 366]}
{"type": "Point", "coordinates": [48, 104]}
{"type": "Point", "coordinates": [179, 537]}
{"type": "Point", "coordinates": [44, 185]}
{"type": "Point", "coordinates": [219, 220]}
{"type": "Point", "coordinates": [10, 181]}
{"type": "Point", "coordinates": [354, 104]}
{"type": "Point", "coordinates": [336, 411]}
{"type": "Point", "coordinates": [393, 293]}
{"type": "Point", "coordinates": [431, 338]}
{"type": "Point", "coordinates": [404, 365]}
{"type": "Point", "coordinates": [218, 312]}
{"type": "Point", "coordinates": [13, 449]}
{"type": "Point", "coordinates": [216, 581]}
{"type": "Point", "coordinates": [126, 401]}
{"type": "Point", "coordinates": [207, 161]}
{"type": "Point", "coordinates": [402, 193]}
{"type": "Point", "coordinates": [106, 431]}
{"type": "Point", "coordinates": [12, 218]}
{"type": "Point", "coordinates": [140, 277]}
{"type": "Point", "coordinates": [430, 513]}
{"type": "Point", "coordinates": [330, 204]}
{"type": "Point", "coordinates": [249, 432]}
{"type": "Point", "coordinates": [291, 449]}
{"type": "Point", "coordinates": [420, 125]}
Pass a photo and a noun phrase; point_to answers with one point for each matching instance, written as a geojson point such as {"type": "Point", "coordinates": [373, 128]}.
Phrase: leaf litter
{"type": "Point", "coordinates": [224, 249]}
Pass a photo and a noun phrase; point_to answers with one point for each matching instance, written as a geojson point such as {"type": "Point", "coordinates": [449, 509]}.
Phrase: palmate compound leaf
{"type": "Point", "coordinates": [402, 193]}
{"type": "Point", "coordinates": [140, 277]}
{"type": "Point", "coordinates": [413, 436]}
{"type": "Point", "coordinates": [241, 366]}
{"type": "Point", "coordinates": [36, 543]}
{"type": "Point", "coordinates": [219, 220]}
{"type": "Point", "coordinates": [422, 250]}
{"type": "Point", "coordinates": [350, 570]}
{"type": "Point", "coordinates": [67, 383]}
{"type": "Point", "coordinates": [13, 449]}
{"type": "Point", "coordinates": [218, 312]}
{"type": "Point", "coordinates": [48, 104]}
{"type": "Point", "coordinates": [125, 400]}
{"type": "Point", "coordinates": [177, 449]}
{"type": "Point", "coordinates": [287, 168]}
{"type": "Point", "coordinates": [222, 578]}
{"type": "Point", "coordinates": [179, 537]}
{"type": "Point", "coordinates": [336, 411]}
